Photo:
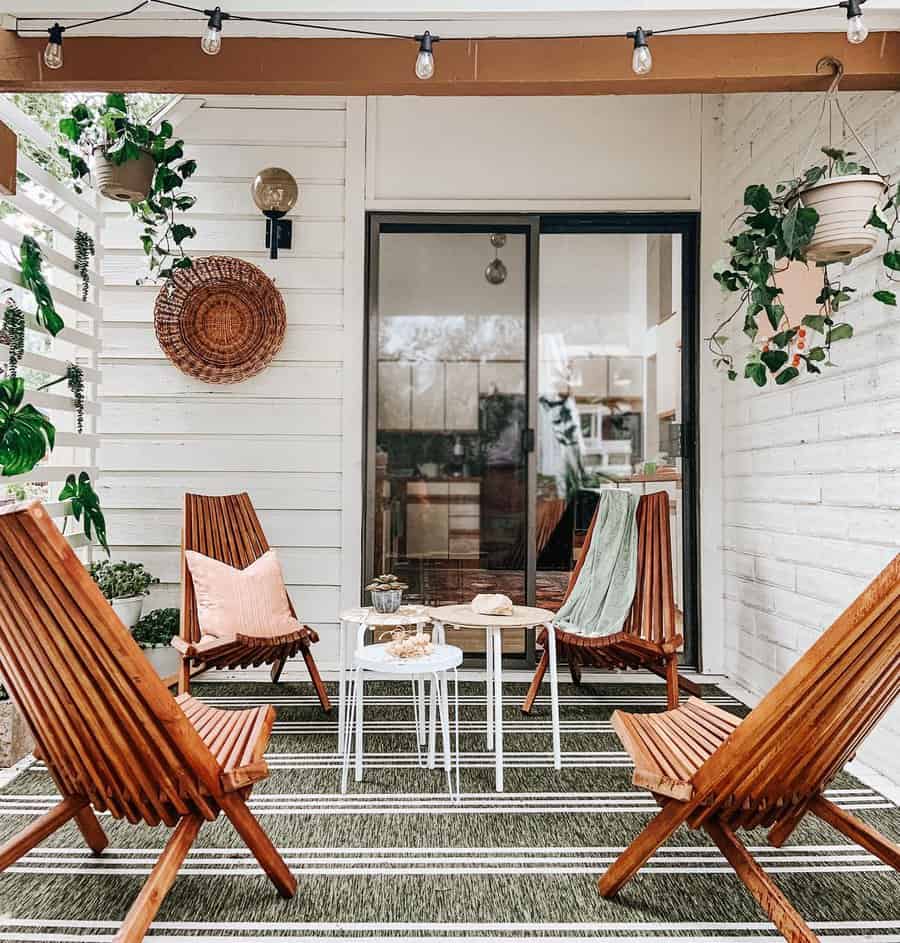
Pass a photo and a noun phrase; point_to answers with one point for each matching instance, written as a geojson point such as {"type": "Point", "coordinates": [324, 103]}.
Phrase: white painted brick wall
{"type": "Point", "coordinates": [811, 471]}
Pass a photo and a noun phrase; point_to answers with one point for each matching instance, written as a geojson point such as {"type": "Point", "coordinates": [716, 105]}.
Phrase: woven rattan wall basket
{"type": "Point", "coordinates": [222, 320]}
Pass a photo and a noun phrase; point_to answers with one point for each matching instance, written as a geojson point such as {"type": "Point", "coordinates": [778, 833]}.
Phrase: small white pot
{"type": "Point", "coordinates": [128, 609]}
{"type": "Point", "coordinates": [844, 205]}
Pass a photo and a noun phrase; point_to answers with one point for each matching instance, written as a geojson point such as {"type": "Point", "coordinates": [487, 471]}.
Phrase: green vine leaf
{"type": "Point", "coordinates": [756, 372]}
{"type": "Point", "coordinates": [839, 332]}
{"type": "Point", "coordinates": [815, 321]}
{"type": "Point", "coordinates": [817, 353]}
{"type": "Point", "coordinates": [886, 298]}
{"type": "Point", "coordinates": [86, 504]}
{"type": "Point", "coordinates": [786, 375]}
{"type": "Point", "coordinates": [774, 359]}
{"type": "Point", "coordinates": [26, 434]}
{"type": "Point", "coordinates": [891, 260]}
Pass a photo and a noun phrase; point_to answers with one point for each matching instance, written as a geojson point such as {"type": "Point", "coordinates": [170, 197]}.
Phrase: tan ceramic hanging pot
{"type": "Point", "coordinates": [125, 183]}
{"type": "Point", "coordinates": [844, 205]}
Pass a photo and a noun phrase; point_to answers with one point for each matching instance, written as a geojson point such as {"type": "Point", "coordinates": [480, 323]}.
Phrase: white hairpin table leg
{"type": "Point", "coordinates": [342, 683]}
{"type": "Point", "coordinates": [359, 712]}
{"type": "Point", "coordinates": [432, 722]}
{"type": "Point", "coordinates": [489, 684]}
{"type": "Point", "coordinates": [554, 695]}
{"type": "Point", "coordinates": [497, 646]}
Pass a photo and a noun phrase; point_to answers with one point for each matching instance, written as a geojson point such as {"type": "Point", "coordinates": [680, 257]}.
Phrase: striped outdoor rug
{"type": "Point", "coordinates": [395, 860]}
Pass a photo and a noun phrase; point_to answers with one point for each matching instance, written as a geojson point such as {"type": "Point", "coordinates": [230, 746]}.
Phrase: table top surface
{"type": "Point", "coordinates": [463, 615]}
{"type": "Point", "coordinates": [405, 615]}
{"type": "Point", "coordinates": [377, 658]}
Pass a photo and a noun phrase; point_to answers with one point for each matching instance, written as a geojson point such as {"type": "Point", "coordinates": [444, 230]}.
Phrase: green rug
{"type": "Point", "coordinates": [394, 859]}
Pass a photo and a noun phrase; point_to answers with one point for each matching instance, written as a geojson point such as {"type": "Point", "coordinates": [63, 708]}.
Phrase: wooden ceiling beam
{"type": "Point", "coordinates": [599, 66]}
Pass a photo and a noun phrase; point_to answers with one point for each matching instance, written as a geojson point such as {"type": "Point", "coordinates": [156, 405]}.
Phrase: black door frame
{"type": "Point", "coordinates": [532, 225]}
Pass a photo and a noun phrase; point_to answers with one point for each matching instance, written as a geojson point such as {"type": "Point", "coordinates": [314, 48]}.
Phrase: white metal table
{"type": "Point", "coordinates": [354, 625]}
{"type": "Point", "coordinates": [523, 617]}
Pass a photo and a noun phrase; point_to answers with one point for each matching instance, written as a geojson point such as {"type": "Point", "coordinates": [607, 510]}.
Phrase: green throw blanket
{"type": "Point", "coordinates": [604, 590]}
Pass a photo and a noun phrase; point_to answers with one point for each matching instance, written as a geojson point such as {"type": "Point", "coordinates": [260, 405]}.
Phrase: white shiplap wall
{"type": "Point", "coordinates": [277, 435]}
{"type": "Point", "coordinates": [812, 470]}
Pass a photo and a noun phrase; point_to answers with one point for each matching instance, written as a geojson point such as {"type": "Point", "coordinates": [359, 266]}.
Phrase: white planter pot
{"type": "Point", "coordinates": [15, 737]}
{"type": "Point", "coordinates": [165, 659]}
{"type": "Point", "coordinates": [125, 183]}
{"type": "Point", "coordinates": [128, 609]}
{"type": "Point", "coordinates": [843, 204]}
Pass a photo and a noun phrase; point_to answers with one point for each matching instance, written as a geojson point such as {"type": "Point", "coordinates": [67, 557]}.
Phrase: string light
{"type": "Point", "coordinates": [425, 58]}
{"type": "Point", "coordinates": [53, 54]}
{"type": "Point", "coordinates": [857, 31]}
{"type": "Point", "coordinates": [641, 58]}
{"type": "Point", "coordinates": [211, 42]}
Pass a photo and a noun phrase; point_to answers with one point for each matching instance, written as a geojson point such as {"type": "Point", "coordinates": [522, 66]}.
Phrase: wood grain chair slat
{"type": "Point", "coordinates": [112, 736]}
{"type": "Point", "coordinates": [711, 770]}
{"type": "Point", "coordinates": [649, 637]}
{"type": "Point", "coordinates": [227, 529]}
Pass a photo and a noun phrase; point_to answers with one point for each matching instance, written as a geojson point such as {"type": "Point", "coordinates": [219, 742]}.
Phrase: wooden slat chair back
{"type": "Point", "coordinates": [649, 637]}
{"type": "Point", "coordinates": [713, 771]}
{"type": "Point", "coordinates": [112, 736]}
{"type": "Point", "coordinates": [227, 529]}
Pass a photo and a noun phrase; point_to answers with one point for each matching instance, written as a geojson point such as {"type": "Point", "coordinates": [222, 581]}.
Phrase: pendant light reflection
{"type": "Point", "coordinates": [495, 272]}
{"type": "Point", "coordinates": [641, 58]}
{"type": "Point", "coordinates": [211, 41]}
{"type": "Point", "coordinates": [53, 54]}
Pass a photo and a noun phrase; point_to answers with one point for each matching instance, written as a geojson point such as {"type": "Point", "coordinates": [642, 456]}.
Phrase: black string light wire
{"type": "Point", "coordinates": [211, 41]}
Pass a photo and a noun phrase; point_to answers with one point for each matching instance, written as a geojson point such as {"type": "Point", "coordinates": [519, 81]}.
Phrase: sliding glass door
{"type": "Point", "coordinates": [517, 367]}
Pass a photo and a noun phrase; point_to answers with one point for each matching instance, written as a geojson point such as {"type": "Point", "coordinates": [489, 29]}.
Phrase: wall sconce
{"type": "Point", "coordinates": [275, 192]}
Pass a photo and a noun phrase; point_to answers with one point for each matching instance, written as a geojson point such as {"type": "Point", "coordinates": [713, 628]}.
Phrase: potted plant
{"type": "Point", "coordinates": [15, 737]}
{"type": "Point", "coordinates": [131, 162]}
{"type": "Point", "coordinates": [125, 585]}
{"type": "Point", "coordinates": [154, 633]}
{"type": "Point", "coordinates": [832, 212]}
{"type": "Point", "coordinates": [387, 592]}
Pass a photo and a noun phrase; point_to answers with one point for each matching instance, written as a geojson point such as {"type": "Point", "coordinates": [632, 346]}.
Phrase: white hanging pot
{"type": "Point", "coordinates": [125, 183]}
{"type": "Point", "coordinates": [128, 609]}
{"type": "Point", "coordinates": [844, 204]}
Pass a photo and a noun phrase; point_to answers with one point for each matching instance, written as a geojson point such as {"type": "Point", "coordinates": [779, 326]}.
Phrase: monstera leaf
{"type": "Point", "coordinates": [30, 264]}
{"type": "Point", "coordinates": [85, 503]}
{"type": "Point", "coordinates": [26, 435]}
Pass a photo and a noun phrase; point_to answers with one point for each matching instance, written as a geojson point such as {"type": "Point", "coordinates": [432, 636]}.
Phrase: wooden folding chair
{"type": "Point", "coordinates": [648, 638]}
{"type": "Point", "coordinates": [113, 737]}
{"type": "Point", "coordinates": [710, 770]}
{"type": "Point", "coordinates": [227, 529]}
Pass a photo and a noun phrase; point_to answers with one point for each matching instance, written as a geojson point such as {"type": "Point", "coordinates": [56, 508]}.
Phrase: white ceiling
{"type": "Point", "coordinates": [449, 18]}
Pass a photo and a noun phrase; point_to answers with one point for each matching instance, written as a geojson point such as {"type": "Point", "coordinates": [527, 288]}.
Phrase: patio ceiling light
{"type": "Point", "coordinates": [857, 31]}
{"type": "Point", "coordinates": [274, 191]}
{"type": "Point", "coordinates": [53, 54]}
{"type": "Point", "coordinates": [641, 58]}
{"type": "Point", "coordinates": [211, 42]}
{"type": "Point", "coordinates": [425, 58]}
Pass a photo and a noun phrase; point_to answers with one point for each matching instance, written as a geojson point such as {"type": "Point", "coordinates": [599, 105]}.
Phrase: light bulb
{"type": "Point", "coordinates": [53, 54]}
{"type": "Point", "coordinates": [211, 41]}
{"type": "Point", "coordinates": [857, 31]}
{"type": "Point", "coordinates": [641, 58]}
{"type": "Point", "coordinates": [425, 58]}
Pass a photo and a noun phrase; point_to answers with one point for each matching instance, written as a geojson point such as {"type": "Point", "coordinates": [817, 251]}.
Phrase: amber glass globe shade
{"type": "Point", "coordinates": [274, 190]}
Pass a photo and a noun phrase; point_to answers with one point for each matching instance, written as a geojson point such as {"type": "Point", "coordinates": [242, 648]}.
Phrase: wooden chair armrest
{"type": "Point", "coordinates": [181, 645]}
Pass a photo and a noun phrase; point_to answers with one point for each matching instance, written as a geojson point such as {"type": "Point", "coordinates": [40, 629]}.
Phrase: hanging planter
{"type": "Point", "coordinates": [126, 183]}
{"type": "Point", "coordinates": [833, 212]}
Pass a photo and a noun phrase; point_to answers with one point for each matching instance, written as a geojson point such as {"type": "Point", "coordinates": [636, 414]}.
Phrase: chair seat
{"type": "Point", "coordinates": [669, 748]}
{"type": "Point", "coordinates": [240, 651]}
{"type": "Point", "coordinates": [236, 738]}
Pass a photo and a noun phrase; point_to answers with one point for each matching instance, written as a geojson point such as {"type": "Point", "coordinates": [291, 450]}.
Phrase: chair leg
{"type": "Point", "coordinates": [38, 830]}
{"type": "Point", "coordinates": [672, 682]}
{"type": "Point", "coordinates": [316, 678]}
{"type": "Point", "coordinates": [277, 668]}
{"type": "Point", "coordinates": [574, 667]}
{"type": "Point", "coordinates": [91, 831]}
{"type": "Point", "coordinates": [787, 920]}
{"type": "Point", "coordinates": [864, 835]}
{"type": "Point", "coordinates": [539, 673]}
{"type": "Point", "coordinates": [636, 855]}
{"type": "Point", "coordinates": [184, 676]}
{"type": "Point", "coordinates": [161, 879]}
{"type": "Point", "coordinates": [260, 844]}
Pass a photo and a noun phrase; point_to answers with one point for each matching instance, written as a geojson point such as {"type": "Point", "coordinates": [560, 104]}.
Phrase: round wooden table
{"type": "Point", "coordinates": [523, 617]}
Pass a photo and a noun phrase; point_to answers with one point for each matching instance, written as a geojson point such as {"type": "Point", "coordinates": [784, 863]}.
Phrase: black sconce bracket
{"type": "Point", "coordinates": [283, 230]}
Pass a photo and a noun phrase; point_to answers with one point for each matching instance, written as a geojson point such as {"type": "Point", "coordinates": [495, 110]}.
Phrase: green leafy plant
{"type": "Point", "coordinates": [157, 628]}
{"type": "Point", "coordinates": [74, 377]}
{"type": "Point", "coordinates": [26, 434]}
{"type": "Point", "coordinates": [84, 252]}
{"type": "Point", "coordinates": [32, 276]}
{"type": "Point", "coordinates": [13, 336]}
{"type": "Point", "coordinates": [121, 579]}
{"type": "Point", "coordinates": [110, 130]}
{"type": "Point", "coordinates": [776, 229]}
{"type": "Point", "coordinates": [85, 507]}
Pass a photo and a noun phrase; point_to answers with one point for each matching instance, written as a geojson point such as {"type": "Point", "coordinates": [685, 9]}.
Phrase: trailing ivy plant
{"type": "Point", "coordinates": [74, 377]}
{"type": "Point", "coordinates": [775, 230]}
{"type": "Point", "coordinates": [13, 336]}
{"type": "Point", "coordinates": [110, 129]}
{"type": "Point", "coordinates": [32, 276]}
{"type": "Point", "coordinates": [84, 252]}
{"type": "Point", "coordinates": [85, 505]}
{"type": "Point", "coordinates": [26, 434]}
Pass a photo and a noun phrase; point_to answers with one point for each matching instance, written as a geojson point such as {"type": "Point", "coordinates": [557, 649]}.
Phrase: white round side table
{"type": "Point", "coordinates": [361, 620]}
{"type": "Point", "coordinates": [435, 666]}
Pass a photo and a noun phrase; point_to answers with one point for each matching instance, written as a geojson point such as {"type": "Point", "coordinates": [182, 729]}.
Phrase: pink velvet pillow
{"type": "Point", "coordinates": [240, 602]}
